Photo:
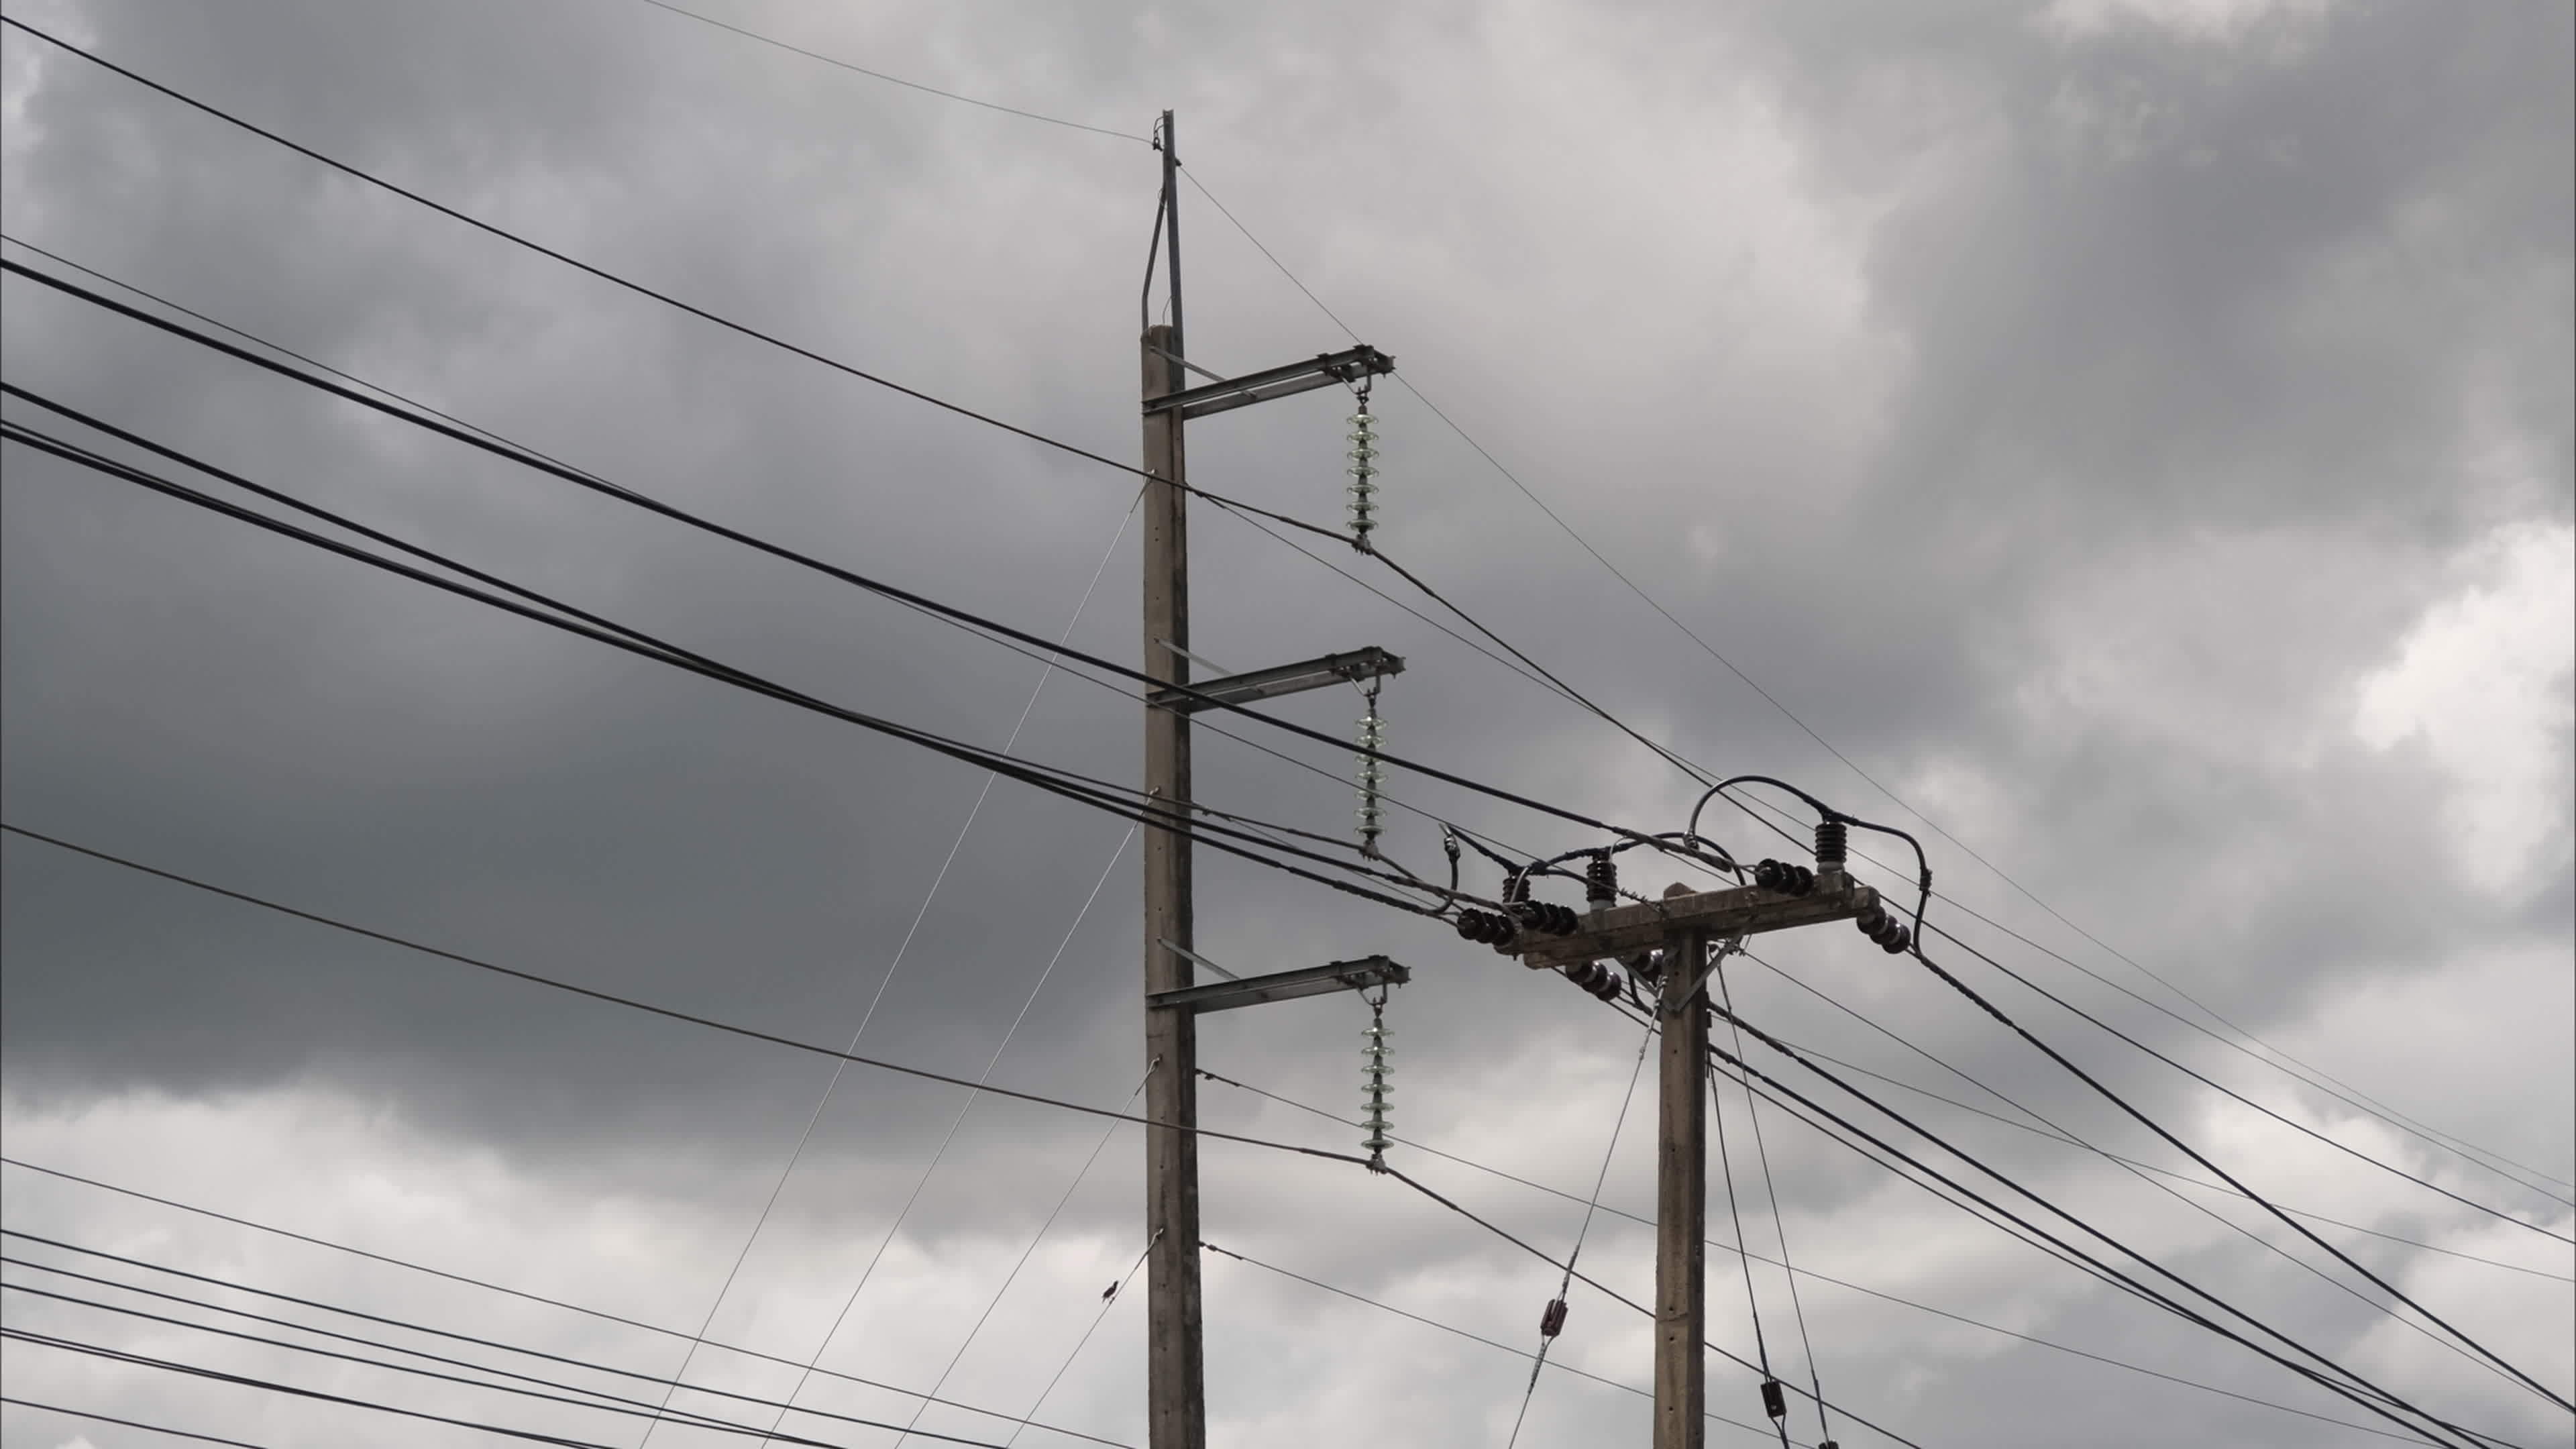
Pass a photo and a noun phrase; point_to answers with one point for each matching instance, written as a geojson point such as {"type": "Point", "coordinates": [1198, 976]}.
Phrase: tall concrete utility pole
{"type": "Point", "coordinates": [1175, 1371]}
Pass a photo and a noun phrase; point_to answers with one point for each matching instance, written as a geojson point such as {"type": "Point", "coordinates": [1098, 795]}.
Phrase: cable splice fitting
{"type": "Point", "coordinates": [1774, 1402]}
{"type": "Point", "coordinates": [1551, 1319]}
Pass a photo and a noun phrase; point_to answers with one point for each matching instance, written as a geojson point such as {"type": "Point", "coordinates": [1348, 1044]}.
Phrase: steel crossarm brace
{"type": "Point", "coordinates": [1736, 911]}
{"type": "Point", "coordinates": [1358, 975]}
{"type": "Point", "coordinates": [1322, 370]}
{"type": "Point", "coordinates": [1358, 664]}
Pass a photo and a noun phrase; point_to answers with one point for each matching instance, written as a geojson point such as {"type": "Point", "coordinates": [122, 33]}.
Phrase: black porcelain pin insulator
{"type": "Point", "coordinates": [1833, 844]}
{"type": "Point", "coordinates": [1600, 881]}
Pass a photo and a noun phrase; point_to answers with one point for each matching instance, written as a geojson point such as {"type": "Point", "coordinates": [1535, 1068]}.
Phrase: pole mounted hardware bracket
{"type": "Point", "coordinates": [1322, 370]}
{"type": "Point", "coordinates": [1366, 663]}
{"type": "Point", "coordinates": [1358, 975]}
{"type": "Point", "coordinates": [1738, 911]}
{"type": "Point", "coordinates": [1169, 355]}
{"type": "Point", "coordinates": [1701, 970]}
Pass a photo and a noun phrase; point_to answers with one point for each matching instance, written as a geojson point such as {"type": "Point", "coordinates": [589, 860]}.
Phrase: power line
{"type": "Point", "coordinates": [941, 1151]}
{"type": "Point", "coordinates": [669, 300]}
{"type": "Point", "coordinates": [1046, 661]}
{"type": "Point", "coordinates": [1552, 1321]}
{"type": "Point", "coordinates": [538, 1298]}
{"type": "Point", "coordinates": [404, 1324]}
{"type": "Point", "coordinates": [1726, 1166]}
{"type": "Point", "coordinates": [2054, 1133]}
{"type": "Point", "coordinates": [797, 1153]}
{"type": "Point", "coordinates": [2205, 1080]}
{"type": "Point", "coordinates": [879, 587]}
{"type": "Point", "coordinates": [198, 1371]}
{"type": "Point", "coordinates": [1098, 794]}
{"type": "Point", "coordinates": [1615, 1295]}
{"type": "Point", "coordinates": [1810, 1273]}
{"type": "Point", "coordinates": [2358, 1390]}
{"type": "Point", "coordinates": [1537, 1361]}
{"type": "Point", "coordinates": [609, 1403]}
{"type": "Point", "coordinates": [96, 1417]}
{"type": "Point", "coordinates": [1705, 647]}
{"type": "Point", "coordinates": [899, 80]}
{"type": "Point", "coordinates": [668, 1013]}
{"type": "Point", "coordinates": [1026, 1253]}
{"type": "Point", "coordinates": [602, 274]}
{"type": "Point", "coordinates": [2062, 1134]}
{"type": "Point", "coordinates": [1108, 1302]}
{"type": "Point", "coordinates": [1996, 1215]}
{"type": "Point", "coordinates": [757, 334]}
{"type": "Point", "coordinates": [1779, 1221]}
{"type": "Point", "coordinates": [2265, 1203]}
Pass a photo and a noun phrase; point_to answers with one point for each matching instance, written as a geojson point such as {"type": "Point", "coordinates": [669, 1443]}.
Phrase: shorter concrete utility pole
{"type": "Point", "coordinates": [1688, 928]}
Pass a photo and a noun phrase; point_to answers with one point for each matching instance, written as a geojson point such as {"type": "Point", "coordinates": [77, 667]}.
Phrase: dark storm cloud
{"type": "Point", "coordinates": [2062, 420]}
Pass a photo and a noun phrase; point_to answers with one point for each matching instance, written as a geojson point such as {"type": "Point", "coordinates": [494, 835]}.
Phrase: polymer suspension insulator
{"type": "Point", "coordinates": [1376, 1116]}
{"type": "Point", "coordinates": [1363, 471]}
{"type": "Point", "coordinates": [1371, 736]}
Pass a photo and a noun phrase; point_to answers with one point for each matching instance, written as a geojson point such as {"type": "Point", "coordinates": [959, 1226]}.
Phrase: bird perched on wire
{"type": "Point", "coordinates": [1109, 1293]}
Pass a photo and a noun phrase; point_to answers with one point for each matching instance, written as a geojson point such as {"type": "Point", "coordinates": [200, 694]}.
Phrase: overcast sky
{"type": "Point", "coordinates": [2135, 433]}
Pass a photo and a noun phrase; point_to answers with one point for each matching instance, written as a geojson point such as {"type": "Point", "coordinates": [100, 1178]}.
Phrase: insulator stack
{"type": "Point", "coordinates": [1486, 928]}
{"type": "Point", "coordinates": [1601, 881]}
{"type": "Point", "coordinates": [1363, 471]}
{"type": "Point", "coordinates": [1595, 977]}
{"type": "Point", "coordinates": [1546, 916]}
{"type": "Point", "coordinates": [1833, 845]}
{"type": "Point", "coordinates": [1372, 777]}
{"type": "Point", "coordinates": [1886, 930]}
{"type": "Point", "coordinates": [1373, 1087]}
{"type": "Point", "coordinates": [1787, 879]}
